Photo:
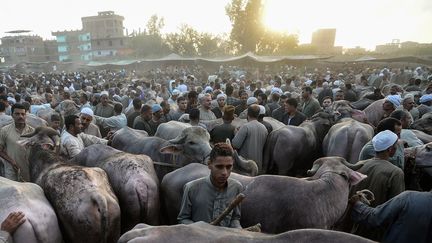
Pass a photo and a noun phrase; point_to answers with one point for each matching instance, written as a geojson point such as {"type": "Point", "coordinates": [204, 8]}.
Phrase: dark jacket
{"type": "Point", "coordinates": [217, 111]}
{"type": "Point", "coordinates": [296, 120]}
{"type": "Point", "coordinates": [221, 132]}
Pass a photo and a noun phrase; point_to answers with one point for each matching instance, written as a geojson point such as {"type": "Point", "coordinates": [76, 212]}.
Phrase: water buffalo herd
{"type": "Point", "coordinates": [117, 193]}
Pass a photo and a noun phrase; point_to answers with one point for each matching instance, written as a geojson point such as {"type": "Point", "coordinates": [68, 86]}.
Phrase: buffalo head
{"type": "Point", "coordinates": [337, 165]}
{"type": "Point", "coordinates": [193, 142]}
{"type": "Point", "coordinates": [45, 137]}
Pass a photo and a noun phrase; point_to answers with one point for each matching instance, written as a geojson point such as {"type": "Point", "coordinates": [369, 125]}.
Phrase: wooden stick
{"type": "Point", "coordinates": [237, 200]}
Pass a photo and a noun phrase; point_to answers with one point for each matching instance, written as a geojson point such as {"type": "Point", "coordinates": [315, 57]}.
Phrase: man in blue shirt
{"type": "Point", "coordinates": [407, 217]}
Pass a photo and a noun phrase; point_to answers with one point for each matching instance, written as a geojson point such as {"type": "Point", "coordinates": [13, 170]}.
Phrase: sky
{"type": "Point", "coordinates": [363, 23]}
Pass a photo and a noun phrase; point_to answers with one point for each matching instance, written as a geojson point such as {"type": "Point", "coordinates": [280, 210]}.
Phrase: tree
{"type": "Point", "coordinates": [185, 42]}
{"type": "Point", "coordinates": [247, 28]}
{"type": "Point", "coordinates": [155, 24]}
{"type": "Point", "coordinates": [150, 43]}
{"type": "Point", "coordinates": [249, 34]}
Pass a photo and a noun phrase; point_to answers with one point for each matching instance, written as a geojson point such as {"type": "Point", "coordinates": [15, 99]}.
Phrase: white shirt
{"type": "Point", "coordinates": [182, 88]}
{"type": "Point", "coordinates": [115, 122]}
{"type": "Point", "coordinates": [71, 145]}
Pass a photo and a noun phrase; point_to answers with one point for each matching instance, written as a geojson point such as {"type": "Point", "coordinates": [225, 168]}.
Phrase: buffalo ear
{"type": "Point", "coordinates": [355, 177]}
{"type": "Point", "coordinates": [171, 149]}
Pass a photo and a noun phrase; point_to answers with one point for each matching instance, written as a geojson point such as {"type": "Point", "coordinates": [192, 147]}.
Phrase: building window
{"type": "Point", "coordinates": [111, 53]}
{"type": "Point", "coordinates": [98, 43]}
{"type": "Point", "coordinates": [121, 42]}
{"type": "Point", "coordinates": [99, 53]}
{"type": "Point", "coordinates": [110, 43]}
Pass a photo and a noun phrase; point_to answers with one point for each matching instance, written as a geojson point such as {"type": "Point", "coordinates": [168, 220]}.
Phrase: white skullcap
{"type": "Point", "coordinates": [425, 98]}
{"type": "Point", "coordinates": [175, 92]}
{"type": "Point", "coordinates": [208, 89]}
{"type": "Point", "coordinates": [394, 99]}
{"type": "Point", "coordinates": [384, 140]}
{"type": "Point", "coordinates": [221, 96]}
{"type": "Point", "coordinates": [104, 93]}
{"type": "Point", "coordinates": [11, 100]}
{"type": "Point", "coordinates": [66, 89]}
{"type": "Point", "coordinates": [276, 90]}
{"type": "Point", "coordinates": [262, 110]}
{"type": "Point", "coordinates": [308, 82]}
{"type": "Point", "coordinates": [325, 84]}
{"type": "Point", "coordinates": [251, 100]}
{"type": "Point", "coordinates": [87, 111]}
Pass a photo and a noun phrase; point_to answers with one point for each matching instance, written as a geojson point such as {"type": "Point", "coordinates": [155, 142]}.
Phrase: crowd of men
{"type": "Point", "coordinates": [91, 105]}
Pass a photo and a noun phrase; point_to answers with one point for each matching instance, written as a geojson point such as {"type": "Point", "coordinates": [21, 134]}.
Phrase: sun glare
{"type": "Point", "coordinates": [306, 16]}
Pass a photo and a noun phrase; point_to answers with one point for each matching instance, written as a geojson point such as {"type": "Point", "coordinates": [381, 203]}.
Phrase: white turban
{"type": "Point", "coordinates": [251, 100]}
{"type": "Point", "coordinates": [384, 140]}
{"type": "Point", "coordinates": [262, 110]}
{"type": "Point", "coordinates": [425, 98]}
{"type": "Point", "coordinates": [221, 96]}
{"type": "Point", "coordinates": [394, 99]}
{"type": "Point", "coordinates": [87, 111]}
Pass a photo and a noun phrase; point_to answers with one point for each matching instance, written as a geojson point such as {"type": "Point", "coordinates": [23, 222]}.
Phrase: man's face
{"type": "Point", "coordinates": [85, 120]}
{"type": "Point", "coordinates": [327, 103]}
{"type": "Point", "coordinates": [55, 125]}
{"type": "Point", "coordinates": [206, 102]}
{"type": "Point", "coordinates": [83, 100]}
{"type": "Point", "coordinates": [192, 102]}
{"type": "Point", "coordinates": [220, 170]}
{"type": "Point", "coordinates": [182, 105]}
{"type": "Point", "coordinates": [408, 104]}
{"type": "Point", "coordinates": [158, 114]}
{"type": "Point", "coordinates": [221, 102]}
{"type": "Point", "coordinates": [406, 122]}
{"type": "Point", "coordinates": [166, 109]}
{"type": "Point", "coordinates": [104, 100]}
{"type": "Point", "coordinates": [48, 97]}
{"type": "Point", "coordinates": [19, 116]}
{"type": "Point", "coordinates": [244, 98]}
{"type": "Point", "coordinates": [78, 126]}
{"type": "Point", "coordinates": [289, 108]}
{"type": "Point", "coordinates": [305, 94]}
{"type": "Point", "coordinates": [398, 129]}
{"type": "Point", "coordinates": [388, 107]}
{"type": "Point", "coordinates": [260, 100]}
{"type": "Point", "coordinates": [147, 115]}
{"type": "Point", "coordinates": [339, 96]}
{"type": "Point", "coordinates": [392, 150]}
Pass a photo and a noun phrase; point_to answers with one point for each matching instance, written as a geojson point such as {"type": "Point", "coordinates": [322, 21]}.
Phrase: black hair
{"type": "Point", "coordinates": [137, 103]}
{"type": "Point", "coordinates": [192, 94]}
{"type": "Point", "coordinates": [388, 124]}
{"type": "Point", "coordinates": [118, 108]}
{"type": "Point", "coordinates": [292, 102]}
{"type": "Point", "coordinates": [180, 99]}
{"type": "Point", "coordinates": [2, 107]}
{"type": "Point", "coordinates": [229, 89]}
{"type": "Point", "coordinates": [70, 121]}
{"type": "Point", "coordinates": [194, 114]}
{"type": "Point", "coordinates": [399, 114]}
{"type": "Point", "coordinates": [221, 149]}
{"type": "Point", "coordinates": [308, 89]}
{"type": "Point", "coordinates": [145, 108]}
{"type": "Point", "coordinates": [17, 106]}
